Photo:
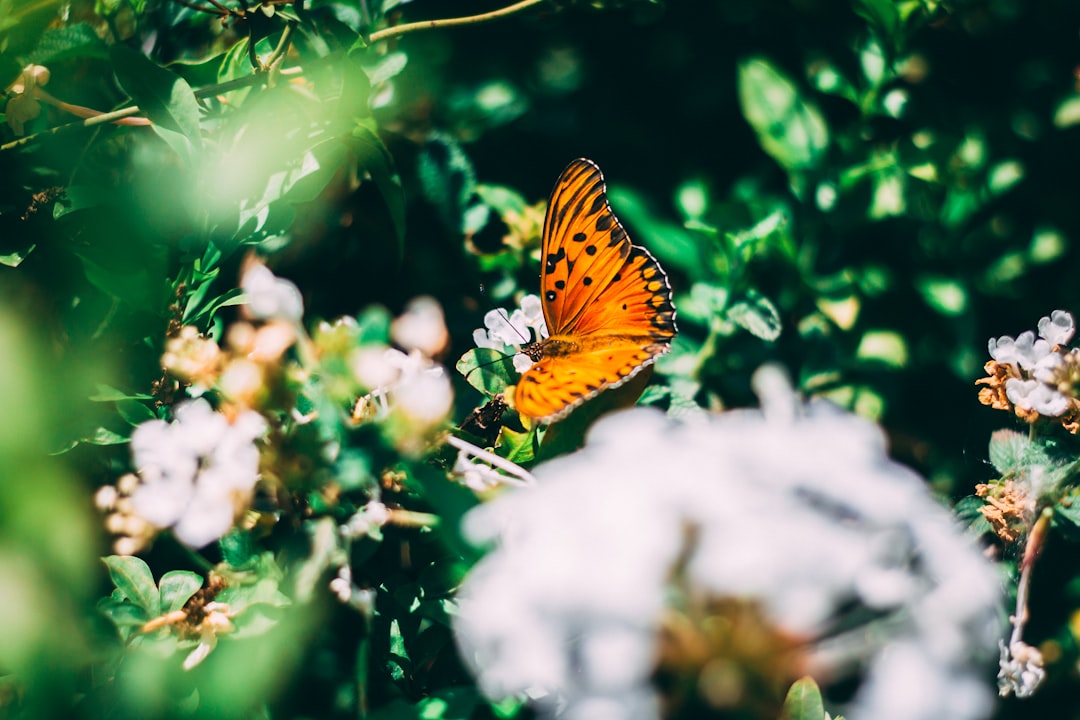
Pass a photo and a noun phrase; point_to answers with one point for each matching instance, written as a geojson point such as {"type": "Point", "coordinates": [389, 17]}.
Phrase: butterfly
{"type": "Point", "coordinates": [606, 301]}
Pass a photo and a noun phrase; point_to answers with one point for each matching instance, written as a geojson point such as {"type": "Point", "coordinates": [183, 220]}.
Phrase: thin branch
{"type": "Point", "coordinates": [278, 55]}
{"type": "Point", "coordinates": [88, 122]}
{"type": "Point", "coordinates": [452, 22]}
{"type": "Point", "coordinates": [259, 77]}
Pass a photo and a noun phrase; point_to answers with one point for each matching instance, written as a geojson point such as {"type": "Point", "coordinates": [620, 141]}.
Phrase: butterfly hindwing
{"type": "Point", "coordinates": [555, 385]}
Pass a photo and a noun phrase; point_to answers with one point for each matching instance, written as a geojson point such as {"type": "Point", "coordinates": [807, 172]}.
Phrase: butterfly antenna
{"type": "Point", "coordinates": [525, 339]}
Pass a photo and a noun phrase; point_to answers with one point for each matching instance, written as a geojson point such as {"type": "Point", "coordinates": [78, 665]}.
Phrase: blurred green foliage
{"type": "Point", "coordinates": [863, 191]}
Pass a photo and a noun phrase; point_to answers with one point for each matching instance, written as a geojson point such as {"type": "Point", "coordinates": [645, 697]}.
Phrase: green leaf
{"type": "Point", "coordinates": [803, 701]}
{"type": "Point", "coordinates": [122, 613]}
{"type": "Point", "coordinates": [134, 412]}
{"type": "Point", "coordinates": [176, 588]}
{"type": "Point", "coordinates": [757, 314]}
{"type": "Point", "coordinates": [447, 179]}
{"type": "Point", "coordinates": [70, 41]}
{"type": "Point", "coordinates": [374, 158]}
{"type": "Point", "coordinates": [1067, 515]}
{"type": "Point", "coordinates": [1007, 450]}
{"type": "Point", "coordinates": [488, 370]}
{"type": "Point", "coordinates": [105, 393]}
{"type": "Point", "coordinates": [882, 16]}
{"type": "Point", "coordinates": [104, 436]}
{"type": "Point", "coordinates": [945, 295]}
{"type": "Point", "coordinates": [884, 346]}
{"type": "Point", "coordinates": [15, 258]}
{"type": "Point", "coordinates": [703, 302]}
{"type": "Point", "coordinates": [162, 95]}
{"type": "Point", "coordinates": [385, 67]}
{"type": "Point", "coordinates": [669, 241]}
{"type": "Point", "coordinates": [789, 127]}
{"type": "Point", "coordinates": [132, 577]}
{"type": "Point", "coordinates": [232, 297]}
{"type": "Point", "coordinates": [238, 549]}
{"type": "Point", "coordinates": [317, 168]}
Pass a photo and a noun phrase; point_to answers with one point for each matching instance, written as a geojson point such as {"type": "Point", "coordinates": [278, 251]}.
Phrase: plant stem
{"type": "Point", "coordinates": [452, 22]}
{"type": "Point", "coordinates": [1035, 542]}
{"type": "Point", "coordinates": [256, 78]}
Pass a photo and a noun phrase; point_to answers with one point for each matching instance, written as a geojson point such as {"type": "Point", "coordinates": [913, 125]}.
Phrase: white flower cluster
{"type": "Point", "coordinates": [410, 390]}
{"type": "Point", "coordinates": [796, 509]}
{"type": "Point", "coordinates": [1033, 362]}
{"type": "Point", "coordinates": [419, 389]}
{"type": "Point", "coordinates": [270, 297]}
{"type": "Point", "coordinates": [508, 332]}
{"type": "Point", "coordinates": [197, 472]}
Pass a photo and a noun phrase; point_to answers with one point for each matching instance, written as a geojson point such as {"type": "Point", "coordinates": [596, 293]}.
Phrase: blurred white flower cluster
{"type": "Point", "coordinates": [407, 388]}
{"type": "Point", "coordinates": [508, 332]}
{"type": "Point", "coordinates": [1036, 376]}
{"type": "Point", "coordinates": [790, 526]}
{"type": "Point", "coordinates": [195, 476]}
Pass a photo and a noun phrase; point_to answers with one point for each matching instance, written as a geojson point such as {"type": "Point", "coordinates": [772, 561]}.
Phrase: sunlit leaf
{"type": "Point", "coordinates": [376, 160]}
{"type": "Point", "coordinates": [176, 588]}
{"type": "Point", "coordinates": [789, 127]}
{"type": "Point", "coordinates": [162, 95]}
{"type": "Point", "coordinates": [132, 576]}
{"type": "Point", "coordinates": [70, 41]}
{"type": "Point", "coordinates": [447, 179]}
{"type": "Point", "coordinates": [803, 701]}
{"type": "Point", "coordinates": [489, 371]}
{"type": "Point", "coordinates": [1007, 450]}
{"type": "Point", "coordinates": [104, 436]}
{"type": "Point", "coordinates": [757, 314]}
{"type": "Point", "coordinates": [947, 296]}
{"type": "Point", "coordinates": [134, 412]}
{"type": "Point", "coordinates": [884, 346]}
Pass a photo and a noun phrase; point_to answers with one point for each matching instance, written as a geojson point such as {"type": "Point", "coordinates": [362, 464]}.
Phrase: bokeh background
{"type": "Point", "coordinates": [863, 191]}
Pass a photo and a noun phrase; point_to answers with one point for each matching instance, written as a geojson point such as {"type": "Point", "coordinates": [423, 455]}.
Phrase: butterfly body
{"type": "Point", "coordinates": [606, 302]}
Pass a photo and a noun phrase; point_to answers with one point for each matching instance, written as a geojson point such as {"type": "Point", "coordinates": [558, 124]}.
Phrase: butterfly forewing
{"type": "Point", "coordinates": [590, 270]}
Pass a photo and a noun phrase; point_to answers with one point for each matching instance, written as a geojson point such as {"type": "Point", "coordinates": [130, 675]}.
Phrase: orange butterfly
{"type": "Point", "coordinates": [606, 301]}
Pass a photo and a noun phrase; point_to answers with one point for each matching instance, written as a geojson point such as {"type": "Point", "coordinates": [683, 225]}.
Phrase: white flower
{"type": "Point", "coordinates": [1020, 670]}
{"type": "Point", "coordinates": [196, 471]}
{"type": "Point", "coordinates": [409, 386]}
{"type": "Point", "coordinates": [798, 511]}
{"type": "Point", "coordinates": [1057, 329]}
{"type": "Point", "coordinates": [270, 297]}
{"type": "Point", "coordinates": [1025, 351]}
{"type": "Point", "coordinates": [1034, 395]}
{"type": "Point", "coordinates": [425, 396]}
{"type": "Point", "coordinates": [508, 332]}
{"type": "Point", "coordinates": [421, 327]}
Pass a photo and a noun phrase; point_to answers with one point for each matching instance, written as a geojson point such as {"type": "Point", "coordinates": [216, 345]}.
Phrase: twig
{"type": "Point", "coordinates": [257, 78]}
{"type": "Point", "coordinates": [1034, 545]}
{"type": "Point", "coordinates": [452, 22]}
{"type": "Point", "coordinates": [520, 474]}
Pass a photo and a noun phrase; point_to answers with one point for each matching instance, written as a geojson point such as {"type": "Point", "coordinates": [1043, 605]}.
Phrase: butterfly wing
{"type": "Point", "coordinates": [554, 386]}
{"type": "Point", "coordinates": [606, 301]}
{"type": "Point", "coordinates": [593, 279]}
